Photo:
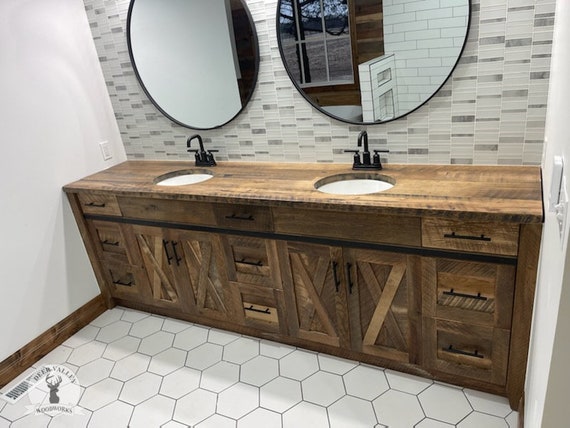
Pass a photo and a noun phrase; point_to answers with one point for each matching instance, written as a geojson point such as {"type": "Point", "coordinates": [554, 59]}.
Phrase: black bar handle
{"type": "Point", "coordinates": [468, 296]}
{"type": "Point", "coordinates": [177, 258]}
{"type": "Point", "coordinates": [246, 217]}
{"type": "Point", "coordinates": [114, 244]}
{"type": "Point", "coordinates": [335, 276]}
{"type": "Point", "coordinates": [245, 262]}
{"type": "Point", "coordinates": [261, 311]}
{"type": "Point", "coordinates": [452, 350]}
{"type": "Point", "coordinates": [126, 284]}
{"type": "Point", "coordinates": [168, 256]}
{"type": "Point", "coordinates": [349, 277]}
{"type": "Point", "coordinates": [95, 204]}
{"type": "Point", "coordinates": [453, 235]}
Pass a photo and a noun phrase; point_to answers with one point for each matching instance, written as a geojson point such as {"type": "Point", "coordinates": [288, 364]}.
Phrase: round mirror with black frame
{"type": "Point", "coordinates": [197, 61]}
{"type": "Point", "coordinates": [362, 62]}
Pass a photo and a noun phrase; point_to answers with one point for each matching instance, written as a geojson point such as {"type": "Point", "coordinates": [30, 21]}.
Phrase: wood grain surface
{"type": "Point", "coordinates": [488, 193]}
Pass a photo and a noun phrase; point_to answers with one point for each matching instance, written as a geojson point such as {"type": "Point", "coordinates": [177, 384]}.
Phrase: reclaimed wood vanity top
{"type": "Point", "coordinates": [466, 192]}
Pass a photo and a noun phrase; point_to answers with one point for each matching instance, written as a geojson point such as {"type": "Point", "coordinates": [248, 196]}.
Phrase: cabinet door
{"type": "Point", "coordinates": [202, 274]}
{"type": "Point", "coordinates": [315, 292]}
{"type": "Point", "coordinates": [384, 303]}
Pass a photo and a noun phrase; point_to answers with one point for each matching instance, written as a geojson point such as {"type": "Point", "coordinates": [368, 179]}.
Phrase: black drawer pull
{"type": "Point", "coordinates": [245, 262]}
{"type": "Point", "coordinates": [126, 284]}
{"type": "Point", "coordinates": [335, 276]}
{"type": "Point", "coordinates": [168, 256]}
{"type": "Point", "coordinates": [178, 259]}
{"type": "Point", "coordinates": [452, 235]}
{"type": "Point", "coordinates": [468, 296]}
{"type": "Point", "coordinates": [246, 217]}
{"type": "Point", "coordinates": [452, 350]}
{"type": "Point", "coordinates": [349, 278]}
{"type": "Point", "coordinates": [95, 205]}
{"type": "Point", "coordinates": [261, 311]}
{"type": "Point", "coordinates": [114, 244]}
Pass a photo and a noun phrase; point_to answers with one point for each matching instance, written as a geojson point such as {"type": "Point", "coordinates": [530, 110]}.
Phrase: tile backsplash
{"type": "Point", "coordinates": [491, 111]}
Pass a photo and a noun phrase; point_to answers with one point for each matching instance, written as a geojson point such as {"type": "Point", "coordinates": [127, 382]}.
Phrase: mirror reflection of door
{"type": "Point", "coordinates": [370, 61]}
{"type": "Point", "coordinates": [196, 60]}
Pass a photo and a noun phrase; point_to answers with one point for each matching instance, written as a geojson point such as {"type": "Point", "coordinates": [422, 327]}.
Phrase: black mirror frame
{"type": "Point", "coordinates": [255, 41]}
{"type": "Point", "coordinates": [323, 111]}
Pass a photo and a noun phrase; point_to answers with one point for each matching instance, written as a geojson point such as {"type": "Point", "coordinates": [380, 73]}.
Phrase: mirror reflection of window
{"type": "Point", "coordinates": [316, 41]}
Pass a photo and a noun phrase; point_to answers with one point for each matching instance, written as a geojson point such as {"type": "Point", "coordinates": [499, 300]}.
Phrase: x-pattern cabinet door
{"type": "Point", "coordinates": [316, 295]}
{"type": "Point", "coordinates": [384, 303]}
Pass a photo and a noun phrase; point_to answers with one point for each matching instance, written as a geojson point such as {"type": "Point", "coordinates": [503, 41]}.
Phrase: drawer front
{"type": "Point", "coordinates": [471, 292]}
{"type": "Point", "coordinates": [99, 204]}
{"type": "Point", "coordinates": [262, 308]}
{"type": "Point", "coordinates": [244, 217]}
{"type": "Point", "coordinates": [127, 281]}
{"type": "Point", "coordinates": [252, 261]}
{"type": "Point", "coordinates": [189, 212]}
{"type": "Point", "coordinates": [479, 237]}
{"type": "Point", "coordinates": [466, 351]}
{"type": "Point", "coordinates": [364, 227]}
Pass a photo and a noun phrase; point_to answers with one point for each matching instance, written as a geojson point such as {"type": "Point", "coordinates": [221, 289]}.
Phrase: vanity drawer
{"type": "Point", "coordinates": [466, 351]}
{"type": "Point", "coordinates": [471, 292]}
{"type": "Point", "coordinates": [126, 281]}
{"type": "Point", "coordinates": [244, 217]}
{"type": "Point", "coordinates": [93, 203]}
{"type": "Point", "coordinates": [263, 308]}
{"type": "Point", "coordinates": [365, 227]}
{"type": "Point", "coordinates": [478, 237]}
{"type": "Point", "coordinates": [171, 211]}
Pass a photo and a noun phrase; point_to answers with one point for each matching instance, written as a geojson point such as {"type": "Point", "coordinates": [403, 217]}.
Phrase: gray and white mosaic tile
{"type": "Point", "coordinates": [491, 111]}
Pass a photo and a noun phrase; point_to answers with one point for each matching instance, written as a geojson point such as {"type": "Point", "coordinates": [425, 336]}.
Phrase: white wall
{"type": "Point", "coordinates": [54, 110]}
{"type": "Point", "coordinates": [548, 381]}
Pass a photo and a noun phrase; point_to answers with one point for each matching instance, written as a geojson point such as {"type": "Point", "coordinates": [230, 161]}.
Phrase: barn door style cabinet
{"type": "Point", "coordinates": [420, 291]}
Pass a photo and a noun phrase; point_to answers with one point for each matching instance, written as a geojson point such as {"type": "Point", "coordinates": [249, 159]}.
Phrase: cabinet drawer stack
{"type": "Point", "coordinates": [467, 305]}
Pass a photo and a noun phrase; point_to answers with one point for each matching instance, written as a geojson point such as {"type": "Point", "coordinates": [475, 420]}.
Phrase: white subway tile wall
{"type": "Point", "coordinates": [491, 111]}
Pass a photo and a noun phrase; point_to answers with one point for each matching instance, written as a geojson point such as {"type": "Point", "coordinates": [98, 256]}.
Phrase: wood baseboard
{"type": "Point", "coordinates": [28, 355]}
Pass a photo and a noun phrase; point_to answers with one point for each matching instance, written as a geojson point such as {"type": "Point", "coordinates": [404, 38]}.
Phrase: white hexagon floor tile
{"type": "Point", "coordinates": [195, 407]}
{"type": "Point", "coordinates": [488, 403]}
{"type": "Point", "coordinates": [146, 326]}
{"type": "Point", "coordinates": [445, 403]}
{"type": "Point", "coordinates": [365, 382]}
{"type": "Point", "coordinates": [238, 400]}
{"type": "Point", "coordinates": [140, 388]}
{"type": "Point", "coordinates": [352, 412]}
{"type": "Point", "coordinates": [306, 415]}
{"type": "Point", "coordinates": [167, 361]}
{"type": "Point", "coordinates": [86, 353]}
{"type": "Point", "coordinates": [156, 343]}
{"type": "Point", "coordinates": [121, 348]}
{"type": "Point", "coordinates": [260, 418]}
{"type": "Point", "coordinates": [100, 394]}
{"type": "Point", "coordinates": [94, 371]}
{"type": "Point", "coordinates": [220, 376]}
{"type": "Point", "coordinates": [180, 382]}
{"type": "Point", "coordinates": [113, 331]}
{"type": "Point", "coordinates": [406, 382]}
{"type": "Point", "coordinates": [298, 365]}
{"type": "Point", "coordinates": [204, 356]}
{"type": "Point", "coordinates": [191, 338]}
{"type": "Point", "coordinates": [280, 394]}
{"type": "Point", "coordinates": [397, 409]}
{"type": "Point", "coordinates": [478, 420]}
{"type": "Point", "coordinates": [329, 363]}
{"type": "Point", "coordinates": [217, 421]}
{"type": "Point", "coordinates": [130, 366]}
{"type": "Point", "coordinates": [116, 414]}
{"type": "Point", "coordinates": [259, 370]}
{"type": "Point", "coordinates": [241, 350]}
{"type": "Point", "coordinates": [322, 388]}
{"type": "Point", "coordinates": [154, 412]}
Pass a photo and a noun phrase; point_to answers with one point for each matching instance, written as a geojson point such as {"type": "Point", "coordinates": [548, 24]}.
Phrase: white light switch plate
{"type": "Point", "coordinates": [106, 150]}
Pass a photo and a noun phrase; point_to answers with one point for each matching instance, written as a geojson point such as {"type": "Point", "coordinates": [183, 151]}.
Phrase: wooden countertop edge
{"type": "Point", "coordinates": [131, 179]}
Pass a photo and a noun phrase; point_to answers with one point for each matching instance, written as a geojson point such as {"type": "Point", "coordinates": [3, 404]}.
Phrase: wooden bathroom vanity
{"type": "Point", "coordinates": [434, 277]}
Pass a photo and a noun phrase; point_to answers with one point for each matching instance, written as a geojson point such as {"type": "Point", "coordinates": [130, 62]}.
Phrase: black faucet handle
{"type": "Point", "coordinates": [192, 150]}
{"type": "Point", "coordinates": [382, 151]}
{"type": "Point", "coordinates": [351, 151]}
{"type": "Point", "coordinates": [213, 151]}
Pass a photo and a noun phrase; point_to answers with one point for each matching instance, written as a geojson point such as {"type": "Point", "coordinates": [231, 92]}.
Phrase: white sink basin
{"type": "Point", "coordinates": [352, 184]}
{"type": "Point", "coordinates": [182, 178]}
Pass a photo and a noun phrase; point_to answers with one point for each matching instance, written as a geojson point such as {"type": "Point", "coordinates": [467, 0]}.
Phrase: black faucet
{"type": "Point", "coordinates": [366, 162]}
{"type": "Point", "coordinates": [203, 157]}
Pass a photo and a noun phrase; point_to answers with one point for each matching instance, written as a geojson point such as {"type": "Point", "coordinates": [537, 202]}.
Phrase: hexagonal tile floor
{"type": "Point", "coordinates": [141, 370]}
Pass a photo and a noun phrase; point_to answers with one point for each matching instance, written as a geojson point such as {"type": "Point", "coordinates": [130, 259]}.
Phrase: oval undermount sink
{"type": "Point", "coordinates": [182, 178]}
{"type": "Point", "coordinates": [354, 184]}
